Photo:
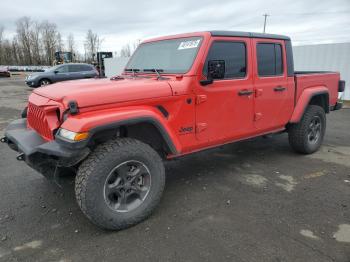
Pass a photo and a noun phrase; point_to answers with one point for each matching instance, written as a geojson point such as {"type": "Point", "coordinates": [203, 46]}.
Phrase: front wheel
{"type": "Point", "coordinates": [44, 82]}
{"type": "Point", "coordinates": [120, 183]}
{"type": "Point", "coordinates": [306, 136]}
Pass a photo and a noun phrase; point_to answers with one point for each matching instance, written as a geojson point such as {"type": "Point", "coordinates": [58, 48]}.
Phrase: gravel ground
{"type": "Point", "coordinates": [251, 201]}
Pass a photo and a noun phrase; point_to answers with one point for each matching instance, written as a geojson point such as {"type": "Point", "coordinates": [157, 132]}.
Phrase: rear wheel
{"type": "Point", "coordinates": [306, 136]}
{"type": "Point", "coordinates": [120, 183]}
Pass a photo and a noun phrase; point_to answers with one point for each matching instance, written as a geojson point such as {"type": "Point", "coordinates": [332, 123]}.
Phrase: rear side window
{"type": "Point", "coordinates": [85, 68]}
{"type": "Point", "coordinates": [270, 62]}
{"type": "Point", "coordinates": [234, 55]}
{"type": "Point", "coordinates": [79, 68]}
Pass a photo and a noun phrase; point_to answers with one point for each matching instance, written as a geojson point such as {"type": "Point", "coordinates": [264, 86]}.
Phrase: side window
{"type": "Point", "coordinates": [270, 62]}
{"type": "Point", "coordinates": [74, 68]}
{"type": "Point", "coordinates": [62, 69]}
{"type": "Point", "coordinates": [234, 55]}
{"type": "Point", "coordinates": [85, 68]}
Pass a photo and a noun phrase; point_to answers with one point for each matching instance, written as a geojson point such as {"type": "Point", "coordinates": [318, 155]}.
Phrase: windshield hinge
{"type": "Point", "coordinates": [73, 107]}
{"type": "Point", "coordinates": [200, 99]}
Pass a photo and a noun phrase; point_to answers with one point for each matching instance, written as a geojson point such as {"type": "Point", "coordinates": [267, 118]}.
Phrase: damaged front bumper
{"type": "Point", "coordinates": [39, 153]}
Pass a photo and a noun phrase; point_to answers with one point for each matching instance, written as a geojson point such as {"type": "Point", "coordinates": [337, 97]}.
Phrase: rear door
{"type": "Point", "coordinates": [224, 109]}
{"type": "Point", "coordinates": [274, 95]}
{"type": "Point", "coordinates": [87, 71]}
{"type": "Point", "coordinates": [75, 72]}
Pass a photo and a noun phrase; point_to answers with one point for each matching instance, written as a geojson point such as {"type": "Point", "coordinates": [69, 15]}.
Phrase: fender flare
{"type": "Point", "coordinates": [98, 121]}
{"type": "Point", "coordinates": [304, 100]}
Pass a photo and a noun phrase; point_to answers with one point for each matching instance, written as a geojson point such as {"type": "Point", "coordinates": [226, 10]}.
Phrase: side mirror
{"type": "Point", "coordinates": [56, 71]}
{"type": "Point", "coordinates": [216, 70]}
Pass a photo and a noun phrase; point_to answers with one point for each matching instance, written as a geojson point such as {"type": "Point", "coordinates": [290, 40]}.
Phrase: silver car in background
{"type": "Point", "coordinates": [61, 73]}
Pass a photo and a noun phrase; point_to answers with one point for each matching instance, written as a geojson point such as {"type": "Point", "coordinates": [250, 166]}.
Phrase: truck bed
{"type": "Point", "coordinates": [312, 72]}
{"type": "Point", "coordinates": [309, 79]}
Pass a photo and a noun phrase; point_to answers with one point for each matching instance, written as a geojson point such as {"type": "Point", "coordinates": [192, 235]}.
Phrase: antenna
{"type": "Point", "coordinates": [265, 15]}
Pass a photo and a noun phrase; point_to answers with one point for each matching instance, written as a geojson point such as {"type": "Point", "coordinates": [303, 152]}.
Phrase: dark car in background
{"type": "Point", "coordinates": [4, 72]}
{"type": "Point", "coordinates": [61, 73]}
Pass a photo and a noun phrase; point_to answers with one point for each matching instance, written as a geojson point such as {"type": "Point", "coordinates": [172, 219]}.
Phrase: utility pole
{"type": "Point", "coordinates": [265, 15]}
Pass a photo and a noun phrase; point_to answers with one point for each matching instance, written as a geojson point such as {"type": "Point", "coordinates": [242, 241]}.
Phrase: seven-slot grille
{"type": "Point", "coordinates": [36, 120]}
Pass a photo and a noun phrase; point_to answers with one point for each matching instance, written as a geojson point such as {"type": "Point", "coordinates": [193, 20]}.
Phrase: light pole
{"type": "Point", "coordinates": [265, 15]}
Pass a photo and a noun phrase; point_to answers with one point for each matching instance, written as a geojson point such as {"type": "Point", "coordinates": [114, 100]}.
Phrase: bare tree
{"type": "Point", "coordinates": [125, 51]}
{"type": "Point", "coordinates": [36, 43]}
{"type": "Point", "coordinates": [7, 54]}
{"type": "Point", "coordinates": [1, 33]}
{"type": "Point", "coordinates": [16, 53]}
{"type": "Point", "coordinates": [24, 38]}
{"type": "Point", "coordinates": [59, 42]}
{"type": "Point", "coordinates": [71, 44]}
{"type": "Point", "coordinates": [49, 40]}
{"type": "Point", "coordinates": [136, 44]}
{"type": "Point", "coordinates": [1, 44]}
{"type": "Point", "coordinates": [92, 45]}
{"type": "Point", "coordinates": [128, 49]}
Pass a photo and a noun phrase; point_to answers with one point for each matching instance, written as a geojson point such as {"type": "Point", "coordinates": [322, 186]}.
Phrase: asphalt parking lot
{"type": "Point", "coordinates": [251, 201]}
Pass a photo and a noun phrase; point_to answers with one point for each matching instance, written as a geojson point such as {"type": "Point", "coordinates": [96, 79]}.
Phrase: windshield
{"type": "Point", "coordinates": [170, 56]}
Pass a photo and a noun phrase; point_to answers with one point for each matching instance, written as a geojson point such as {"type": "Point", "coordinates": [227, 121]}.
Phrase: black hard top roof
{"type": "Point", "coordinates": [248, 34]}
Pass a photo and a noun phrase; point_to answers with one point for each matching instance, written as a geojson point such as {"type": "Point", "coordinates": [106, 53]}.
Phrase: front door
{"type": "Point", "coordinates": [224, 109]}
{"type": "Point", "coordinates": [61, 73]}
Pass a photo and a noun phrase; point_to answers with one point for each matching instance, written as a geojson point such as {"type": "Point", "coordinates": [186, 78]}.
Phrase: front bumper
{"type": "Point", "coordinates": [31, 83]}
{"type": "Point", "coordinates": [35, 150]}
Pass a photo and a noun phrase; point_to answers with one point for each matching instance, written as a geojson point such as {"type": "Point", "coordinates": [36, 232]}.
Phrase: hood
{"type": "Point", "coordinates": [38, 74]}
{"type": "Point", "coordinates": [92, 92]}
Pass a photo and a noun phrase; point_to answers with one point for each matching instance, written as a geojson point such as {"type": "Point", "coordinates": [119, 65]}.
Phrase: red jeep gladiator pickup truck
{"type": "Point", "coordinates": [178, 94]}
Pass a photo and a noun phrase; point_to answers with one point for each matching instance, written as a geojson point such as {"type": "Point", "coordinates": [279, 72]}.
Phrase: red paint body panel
{"type": "Point", "coordinates": [89, 92]}
{"type": "Point", "coordinates": [87, 121]}
{"type": "Point", "coordinates": [211, 115]}
{"type": "Point", "coordinates": [327, 80]}
{"type": "Point", "coordinates": [304, 100]}
{"type": "Point", "coordinates": [42, 116]}
{"type": "Point", "coordinates": [310, 84]}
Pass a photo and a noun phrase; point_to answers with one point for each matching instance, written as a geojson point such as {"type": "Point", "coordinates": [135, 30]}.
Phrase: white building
{"type": "Point", "coordinates": [325, 57]}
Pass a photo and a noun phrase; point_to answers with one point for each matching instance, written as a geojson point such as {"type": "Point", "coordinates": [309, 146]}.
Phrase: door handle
{"type": "Point", "coordinates": [245, 92]}
{"type": "Point", "coordinates": [279, 88]}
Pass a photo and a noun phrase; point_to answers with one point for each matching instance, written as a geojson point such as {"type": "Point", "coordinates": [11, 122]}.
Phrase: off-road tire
{"type": "Point", "coordinates": [24, 112]}
{"type": "Point", "coordinates": [298, 133]}
{"type": "Point", "coordinates": [93, 173]}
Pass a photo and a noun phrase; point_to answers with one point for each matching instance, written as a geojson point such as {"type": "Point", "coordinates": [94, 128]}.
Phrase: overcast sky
{"type": "Point", "coordinates": [120, 22]}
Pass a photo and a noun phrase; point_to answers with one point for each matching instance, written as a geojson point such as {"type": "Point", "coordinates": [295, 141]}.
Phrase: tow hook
{"type": "Point", "coordinates": [20, 157]}
{"type": "Point", "coordinates": [3, 139]}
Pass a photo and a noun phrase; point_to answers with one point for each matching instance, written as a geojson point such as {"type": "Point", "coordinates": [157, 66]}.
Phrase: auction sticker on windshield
{"type": "Point", "coordinates": [189, 44]}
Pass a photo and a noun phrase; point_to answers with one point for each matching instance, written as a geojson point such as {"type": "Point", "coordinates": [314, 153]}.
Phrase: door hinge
{"type": "Point", "coordinates": [258, 92]}
{"type": "Point", "coordinates": [257, 116]}
{"type": "Point", "coordinates": [201, 127]}
{"type": "Point", "coordinates": [201, 99]}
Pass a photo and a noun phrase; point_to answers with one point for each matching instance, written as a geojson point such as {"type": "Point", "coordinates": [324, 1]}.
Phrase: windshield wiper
{"type": "Point", "coordinates": [157, 71]}
{"type": "Point", "coordinates": [133, 70]}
